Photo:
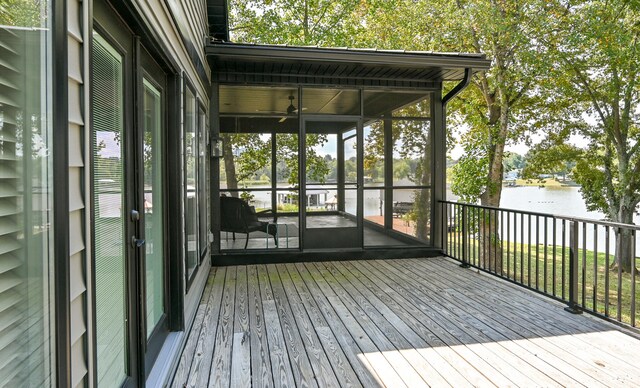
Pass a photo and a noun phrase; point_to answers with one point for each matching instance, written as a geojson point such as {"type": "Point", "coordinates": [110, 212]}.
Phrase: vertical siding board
{"type": "Point", "coordinates": [75, 146]}
{"type": "Point", "coordinates": [77, 34]}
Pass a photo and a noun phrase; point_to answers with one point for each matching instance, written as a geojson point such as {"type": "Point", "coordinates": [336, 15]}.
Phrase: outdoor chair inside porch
{"type": "Point", "coordinates": [237, 216]}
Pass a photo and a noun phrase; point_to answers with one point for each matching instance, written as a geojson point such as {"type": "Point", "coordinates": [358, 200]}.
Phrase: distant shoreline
{"type": "Point", "coordinates": [538, 183]}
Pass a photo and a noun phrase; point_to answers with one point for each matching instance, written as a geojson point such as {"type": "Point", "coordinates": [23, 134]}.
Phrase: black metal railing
{"type": "Point", "coordinates": [570, 259]}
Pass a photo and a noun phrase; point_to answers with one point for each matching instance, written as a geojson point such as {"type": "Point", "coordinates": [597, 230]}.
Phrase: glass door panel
{"type": "Point", "coordinates": [109, 206]}
{"type": "Point", "coordinates": [153, 205]}
{"type": "Point", "coordinates": [332, 195]}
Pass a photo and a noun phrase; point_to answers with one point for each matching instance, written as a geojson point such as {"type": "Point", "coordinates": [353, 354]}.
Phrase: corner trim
{"type": "Point", "coordinates": [60, 160]}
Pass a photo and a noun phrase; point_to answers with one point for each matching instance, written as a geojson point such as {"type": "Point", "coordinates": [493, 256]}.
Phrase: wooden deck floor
{"type": "Point", "coordinates": [393, 323]}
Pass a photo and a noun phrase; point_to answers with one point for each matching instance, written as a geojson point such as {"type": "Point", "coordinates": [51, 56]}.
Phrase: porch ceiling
{"type": "Point", "coordinates": [241, 63]}
{"type": "Point", "coordinates": [257, 100]}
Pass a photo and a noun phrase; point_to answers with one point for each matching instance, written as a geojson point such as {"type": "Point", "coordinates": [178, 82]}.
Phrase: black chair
{"type": "Point", "coordinates": [237, 216]}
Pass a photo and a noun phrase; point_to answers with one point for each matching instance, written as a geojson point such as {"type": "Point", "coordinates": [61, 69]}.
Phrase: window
{"type": "Point", "coordinates": [26, 298]}
{"type": "Point", "coordinates": [191, 152]}
{"type": "Point", "coordinates": [109, 223]}
{"type": "Point", "coordinates": [203, 182]}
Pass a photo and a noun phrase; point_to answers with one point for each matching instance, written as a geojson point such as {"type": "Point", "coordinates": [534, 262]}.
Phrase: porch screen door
{"type": "Point", "coordinates": [332, 190]}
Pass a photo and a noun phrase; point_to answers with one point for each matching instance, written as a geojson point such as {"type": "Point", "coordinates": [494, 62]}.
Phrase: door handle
{"type": "Point", "coordinates": [137, 242]}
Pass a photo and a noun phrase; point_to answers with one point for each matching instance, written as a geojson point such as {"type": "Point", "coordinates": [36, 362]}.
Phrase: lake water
{"type": "Point", "coordinates": [559, 201]}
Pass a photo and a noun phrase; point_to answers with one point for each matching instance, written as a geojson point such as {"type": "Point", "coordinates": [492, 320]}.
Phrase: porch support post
{"type": "Point", "coordinates": [214, 184]}
{"type": "Point", "coordinates": [439, 156]}
{"type": "Point", "coordinates": [388, 171]}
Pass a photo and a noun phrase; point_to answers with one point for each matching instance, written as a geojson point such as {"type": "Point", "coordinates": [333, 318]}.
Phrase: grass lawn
{"type": "Point", "coordinates": [546, 268]}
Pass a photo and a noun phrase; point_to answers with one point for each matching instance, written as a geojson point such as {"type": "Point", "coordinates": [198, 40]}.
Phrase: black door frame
{"type": "Point", "coordinates": [115, 26]}
{"type": "Point", "coordinates": [332, 233]}
{"type": "Point", "coordinates": [111, 28]}
{"type": "Point", "coordinates": [148, 69]}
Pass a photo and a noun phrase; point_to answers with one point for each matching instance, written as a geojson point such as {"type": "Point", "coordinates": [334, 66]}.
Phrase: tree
{"type": "Point", "coordinates": [298, 22]}
{"type": "Point", "coordinates": [595, 50]}
{"type": "Point", "coordinates": [411, 143]}
{"type": "Point", "coordinates": [513, 161]}
{"type": "Point", "coordinates": [247, 154]}
{"type": "Point", "coordinates": [495, 108]}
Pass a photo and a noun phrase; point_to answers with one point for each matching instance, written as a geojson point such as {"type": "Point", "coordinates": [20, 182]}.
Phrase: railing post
{"type": "Point", "coordinates": [573, 306]}
{"type": "Point", "coordinates": [465, 239]}
{"type": "Point", "coordinates": [443, 226]}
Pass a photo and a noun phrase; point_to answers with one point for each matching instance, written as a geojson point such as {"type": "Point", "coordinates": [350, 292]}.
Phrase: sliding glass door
{"type": "Point", "coordinates": [109, 213]}
{"type": "Point", "coordinates": [150, 155]}
{"type": "Point", "coordinates": [128, 131]}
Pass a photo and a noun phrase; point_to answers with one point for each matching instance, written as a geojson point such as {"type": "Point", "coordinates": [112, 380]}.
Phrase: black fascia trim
{"type": "Point", "coordinates": [326, 55]}
{"type": "Point", "coordinates": [60, 160]}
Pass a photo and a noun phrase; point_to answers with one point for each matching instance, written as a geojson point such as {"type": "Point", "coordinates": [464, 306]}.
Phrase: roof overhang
{"type": "Point", "coordinates": [242, 63]}
{"type": "Point", "coordinates": [218, 19]}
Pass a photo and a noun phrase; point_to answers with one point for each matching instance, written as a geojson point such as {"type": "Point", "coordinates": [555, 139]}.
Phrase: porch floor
{"type": "Point", "coordinates": [405, 322]}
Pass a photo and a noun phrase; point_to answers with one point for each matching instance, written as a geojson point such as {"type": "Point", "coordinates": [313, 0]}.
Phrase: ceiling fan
{"type": "Point", "coordinates": [291, 109]}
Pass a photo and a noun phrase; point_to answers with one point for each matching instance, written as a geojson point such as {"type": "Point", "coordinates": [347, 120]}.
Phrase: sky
{"type": "Point", "coordinates": [522, 148]}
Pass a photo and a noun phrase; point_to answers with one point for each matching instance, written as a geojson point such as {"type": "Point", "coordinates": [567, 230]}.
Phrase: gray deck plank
{"type": "Point", "coordinates": [544, 348]}
{"type": "Point", "coordinates": [475, 368]}
{"type": "Point", "coordinates": [395, 323]}
{"type": "Point", "coordinates": [330, 328]}
{"type": "Point", "coordinates": [305, 333]}
{"type": "Point", "coordinates": [261, 374]}
{"type": "Point", "coordinates": [300, 363]}
{"type": "Point", "coordinates": [283, 374]}
{"type": "Point", "coordinates": [556, 322]}
{"type": "Point", "coordinates": [184, 365]}
{"type": "Point", "coordinates": [320, 363]}
{"type": "Point", "coordinates": [568, 344]}
{"type": "Point", "coordinates": [220, 375]}
{"type": "Point", "coordinates": [201, 365]}
{"type": "Point", "coordinates": [338, 316]}
{"type": "Point", "coordinates": [241, 350]}
{"type": "Point", "coordinates": [399, 354]}
{"type": "Point", "coordinates": [498, 343]}
{"type": "Point", "coordinates": [422, 364]}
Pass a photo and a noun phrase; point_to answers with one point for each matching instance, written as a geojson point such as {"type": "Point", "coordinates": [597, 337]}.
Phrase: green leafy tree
{"type": "Point", "coordinates": [513, 161]}
{"type": "Point", "coordinates": [21, 13]}
{"type": "Point", "coordinates": [411, 143]}
{"type": "Point", "coordinates": [594, 90]}
{"type": "Point", "coordinates": [300, 22]}
{"type": "Point", "coordinates": [247, 155]}
{"type": "Point", "coordinates": [495, 109]}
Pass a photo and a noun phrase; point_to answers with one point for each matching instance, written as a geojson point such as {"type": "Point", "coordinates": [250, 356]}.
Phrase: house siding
{"type": "Point", "coordinates": [77, 33]}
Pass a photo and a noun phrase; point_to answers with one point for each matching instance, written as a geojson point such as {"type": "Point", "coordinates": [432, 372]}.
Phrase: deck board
{"type": "Point", "coordinates": [394, 323]}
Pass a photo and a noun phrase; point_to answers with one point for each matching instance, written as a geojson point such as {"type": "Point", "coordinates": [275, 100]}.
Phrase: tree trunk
{"type": "Point", "coordinates": [624, 240]}
{"type": "Point", "coordinates": [229, 165]}
{"type": "Point", "coordinates": [423, 198]}
{"type": "Point", "coordinates": [489, 223]}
